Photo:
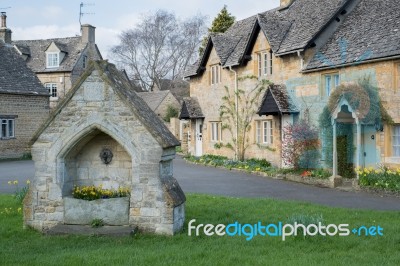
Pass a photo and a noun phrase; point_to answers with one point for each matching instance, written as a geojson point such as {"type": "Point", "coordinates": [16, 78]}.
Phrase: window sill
{"type": "Point", "coordinates": [8, 138]}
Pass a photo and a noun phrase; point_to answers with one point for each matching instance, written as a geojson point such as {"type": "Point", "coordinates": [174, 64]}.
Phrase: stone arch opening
{"type": "Point", "coordinates": [83, 164]}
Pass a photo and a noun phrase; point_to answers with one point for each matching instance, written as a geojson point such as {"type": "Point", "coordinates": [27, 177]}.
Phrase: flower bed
{"type": "Point", "coordinates": [258, 166]}
{"type": "Point", "coordinates": [383, 178]}
{"type": "Point", "coordinates": [93, 192]}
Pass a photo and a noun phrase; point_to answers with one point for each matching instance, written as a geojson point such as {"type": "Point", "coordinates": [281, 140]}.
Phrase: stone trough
{"type": "Point", "coordinates": [104, 134]}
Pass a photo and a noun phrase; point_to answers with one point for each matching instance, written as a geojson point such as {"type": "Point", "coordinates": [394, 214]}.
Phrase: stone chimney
{"type": "Point", "coordinates": [88, 33]}
{"type": "Point", "coordinates": [5, 34]}
{"type": "Point", "coordinates": [286, 3]}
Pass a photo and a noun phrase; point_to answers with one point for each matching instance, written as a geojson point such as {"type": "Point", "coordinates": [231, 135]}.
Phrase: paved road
{"type": "Point", "coordinates": [15, 170]}
{"type": "Point", "coordinates": [208, 180]}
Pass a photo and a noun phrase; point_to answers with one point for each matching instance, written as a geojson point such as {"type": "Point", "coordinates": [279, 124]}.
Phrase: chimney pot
{"type": "Point", "coordinates": [5, 34]}
{"type": "Point", "coordinates": [3, 20]}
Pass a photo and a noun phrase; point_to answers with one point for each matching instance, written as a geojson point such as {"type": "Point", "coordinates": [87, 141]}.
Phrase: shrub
{"type": "Point", "coordinates": [171, 112]}
{"type": "Point", "coordinates": [300, 145]}
{"type": "Point", "coordinates": [93, 192]}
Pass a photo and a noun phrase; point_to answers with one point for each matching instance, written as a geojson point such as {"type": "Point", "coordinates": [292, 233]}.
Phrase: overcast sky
{"type": "Point", "coordinates": [41, 19]}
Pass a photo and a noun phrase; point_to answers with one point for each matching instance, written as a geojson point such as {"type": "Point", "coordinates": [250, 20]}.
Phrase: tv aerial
{"type": "Point", "coordinates": [82, 13]}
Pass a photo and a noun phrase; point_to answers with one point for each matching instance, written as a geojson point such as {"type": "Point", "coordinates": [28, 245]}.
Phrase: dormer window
{"type": "Point", "coordinates": [53, 60]}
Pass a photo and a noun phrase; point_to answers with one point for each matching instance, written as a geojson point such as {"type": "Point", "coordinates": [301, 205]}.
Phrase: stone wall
{"type": "Point", "coordinates": [85, 168]}
{"type": "Point", "coordinates": [169, 100]}
{"type": "Point", "coordinates": [96, 107]}
{"type": "Point", "coordinates": [31, 112]}
{"type": "Point", "coordinates": [63, 82]}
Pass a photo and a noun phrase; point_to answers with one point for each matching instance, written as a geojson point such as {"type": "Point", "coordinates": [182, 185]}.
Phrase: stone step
{"type": "Point", "coordinates": [69, 229]}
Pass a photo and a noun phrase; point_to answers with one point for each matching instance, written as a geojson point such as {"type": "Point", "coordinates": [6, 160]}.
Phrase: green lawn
{"type": "Point", "coordinates": [27, 247]}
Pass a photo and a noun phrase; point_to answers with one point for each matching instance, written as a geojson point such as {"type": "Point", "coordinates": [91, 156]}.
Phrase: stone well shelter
{"type": "Point", "coordinates": [103, 113]}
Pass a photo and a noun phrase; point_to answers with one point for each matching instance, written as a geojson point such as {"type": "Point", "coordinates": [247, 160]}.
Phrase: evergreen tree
{"type": "Point", "coordinates": [220, 24]}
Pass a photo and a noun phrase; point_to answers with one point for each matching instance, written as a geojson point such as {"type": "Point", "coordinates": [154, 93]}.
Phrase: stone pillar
{"type": "Point", "coordinates": [358, 146]}
{"type": "Point", "coordinates": [335, 178]}
{"type": "Point", "coordinates": [335, 170]}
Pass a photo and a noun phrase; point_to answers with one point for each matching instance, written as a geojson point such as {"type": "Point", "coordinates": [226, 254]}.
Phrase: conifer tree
{"type": "Point", "coordinates": [220, 24]}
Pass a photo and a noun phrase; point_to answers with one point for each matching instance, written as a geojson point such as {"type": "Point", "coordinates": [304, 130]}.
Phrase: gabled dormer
{"type": "Point", "coordinates": [55, 54]}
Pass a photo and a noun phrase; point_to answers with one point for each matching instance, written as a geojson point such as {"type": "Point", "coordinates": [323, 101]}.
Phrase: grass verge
{"type": "Point", "coordinates": [28, 247]}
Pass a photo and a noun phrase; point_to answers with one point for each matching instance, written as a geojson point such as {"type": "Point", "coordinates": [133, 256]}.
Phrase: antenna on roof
{"type": "Point", "coordinates": [81, 13]}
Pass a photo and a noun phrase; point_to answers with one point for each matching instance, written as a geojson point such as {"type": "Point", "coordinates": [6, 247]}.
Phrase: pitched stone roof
{"type": "Point", "coordinates": [287, 30]}
{"type": "Point", "coordinates": [154, 98]}
{"type": "Point", "coordinates": [276, 101]}
{"type": "Point", "coordinates": [15, 76]}
{"type": "Point", "coordinates": [371, 31]}
{"type": "Point", "coordinates": [178, 87]}
{"type": "Point", "coordinates": [35, 49]}
{"type": "Point", "coordinates": [190, 109]}
{"type": "Point", "coordinates": [119, 82]}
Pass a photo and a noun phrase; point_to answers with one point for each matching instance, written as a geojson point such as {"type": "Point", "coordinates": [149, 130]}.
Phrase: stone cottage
{"type": "Point", "coordinates": [307, 49]}
{"type": "Point", "coordinates": [159, 101]}
{"type": "Point", "coordinates": [57, 62]}
{"type": "Point", "coordinates": [24, 102]}
{"type": "Point", "coordinates": [101, 115]}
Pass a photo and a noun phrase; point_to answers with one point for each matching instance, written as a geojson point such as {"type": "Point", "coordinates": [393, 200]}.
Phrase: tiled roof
{"type": "Point", "coordinates": [72, 46]}
{"type": "Point", "coordinates": [287, 30]}
{"type": "Point", "coordinates": [371, 31]}
{"type": "Point", "coordinates": [15, 76]}
{"type": "Point", "coordinates": [153, 98]}
{"type": "Point", "coordinates": [277, 100]}
{"type": "Point", "coordinates": [308, 17]}
{"type": "Point", "coordinates": [190, 109]}
{"type": "Point", "coordinates": [118, 81]}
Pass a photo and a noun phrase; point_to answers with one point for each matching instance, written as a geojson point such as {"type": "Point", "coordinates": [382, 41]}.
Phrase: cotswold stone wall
{"type": "Point", "coordinates": [29, 112]}
{"type": "Point", "coordinates": [96, 117]}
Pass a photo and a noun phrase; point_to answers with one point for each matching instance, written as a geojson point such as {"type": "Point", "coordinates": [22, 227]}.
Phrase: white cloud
{"type": "Point", "coordinates": [45, 32]}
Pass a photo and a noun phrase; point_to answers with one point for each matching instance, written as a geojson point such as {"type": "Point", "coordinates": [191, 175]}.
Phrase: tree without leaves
{"type": "Point", "coordinates": [248, 101]}
{"type": "Point", "coordinates": [220, 24]}
{"type": "Point", "coordinates": [159, 47]}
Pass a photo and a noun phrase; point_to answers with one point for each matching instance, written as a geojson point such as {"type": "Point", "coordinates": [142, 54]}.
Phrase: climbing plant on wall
{"type": "Point", "coordinates": [237, 118]}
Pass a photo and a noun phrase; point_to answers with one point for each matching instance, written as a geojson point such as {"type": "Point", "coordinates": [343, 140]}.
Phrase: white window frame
{"type": "Point", "coordinates": [264, 63]}
{"type": "Point", "coordinates": [216, 131]}
{"type": "Point", "coordinates": [331, 81]}
{"type": "Point", "coordinates": [215, 75]}
{"type": "Point", "coordinates": [264, 132]}
{"type": "Point", "coordinates": [52, 62]}
{"type": "Point", "coordinates": [396, 144]}
{"type": "Point", "coordinates": [9, 125]}
{"type": "Point", "coordinates": [51, 87]}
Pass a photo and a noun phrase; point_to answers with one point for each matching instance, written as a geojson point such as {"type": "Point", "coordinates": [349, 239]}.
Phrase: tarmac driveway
{"type": "Point", "coordinates": [208, 180]}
